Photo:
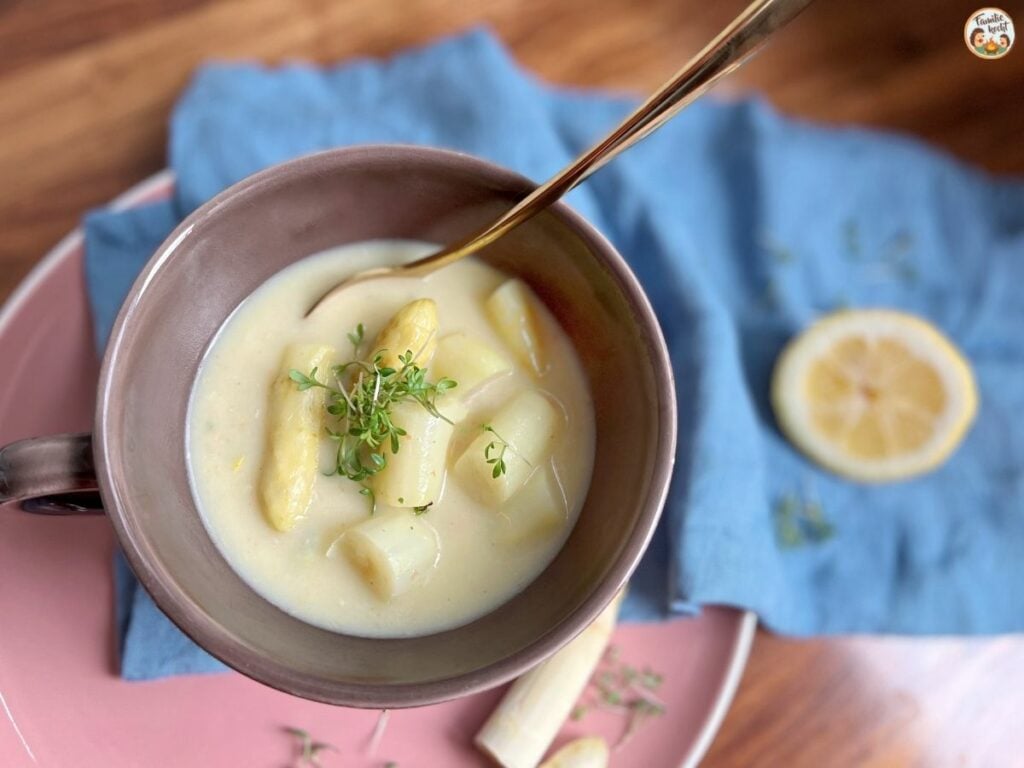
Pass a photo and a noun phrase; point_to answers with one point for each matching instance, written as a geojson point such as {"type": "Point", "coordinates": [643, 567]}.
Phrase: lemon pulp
{"type": "Point", "coordinates": [874, 394]}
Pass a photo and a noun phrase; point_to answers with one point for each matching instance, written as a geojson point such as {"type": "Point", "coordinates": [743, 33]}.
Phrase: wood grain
{"type": "Point", "coordinates": [85, 92]}
{"type": "Point", "coordinates": [877, 702]}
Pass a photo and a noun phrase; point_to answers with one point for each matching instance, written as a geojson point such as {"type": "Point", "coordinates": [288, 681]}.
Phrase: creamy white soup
{"type": "Point", "coordinates": [293, 424]}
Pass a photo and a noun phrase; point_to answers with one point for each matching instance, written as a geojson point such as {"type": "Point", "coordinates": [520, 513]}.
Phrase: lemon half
{"type": "Point", "coordinates": [874, 394]}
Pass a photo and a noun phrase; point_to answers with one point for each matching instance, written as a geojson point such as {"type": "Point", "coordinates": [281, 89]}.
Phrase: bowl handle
{"type": "Point", "coordinates": [51, 475]}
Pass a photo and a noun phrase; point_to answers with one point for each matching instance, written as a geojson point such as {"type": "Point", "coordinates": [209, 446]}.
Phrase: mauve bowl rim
{"type": "Point", "coordinates": [208, 633]}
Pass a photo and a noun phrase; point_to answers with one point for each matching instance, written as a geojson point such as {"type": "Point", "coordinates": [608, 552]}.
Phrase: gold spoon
{"type": "Point", "coordinates": [733, 45]}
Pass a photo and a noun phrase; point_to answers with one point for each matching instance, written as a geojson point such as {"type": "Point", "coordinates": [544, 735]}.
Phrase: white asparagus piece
{"type": "Point", "coordinates": [295, 422]}
{"type": "Point", "coordinates": [413, 329]}
{"type": "Point", "coordinates": [537, 511]}
{"type": "Point", "coordinates": [414, 476]}
{"type": "Point", "coordinates": [532, 712]}
{"type": "Point", "coordinates": [528, 424]}
{"type": "Point", "coordinates": [468, 361]}
{"type": "Point", "coordinates": [585, 752]}
{"type": "Point", "coordinates": [513, 311]}
{"type": "Point", "coordinates": [392, 552]}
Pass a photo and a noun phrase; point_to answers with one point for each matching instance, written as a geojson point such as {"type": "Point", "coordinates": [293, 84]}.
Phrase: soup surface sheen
{"type": "Point", "coordinates": [304, 571]}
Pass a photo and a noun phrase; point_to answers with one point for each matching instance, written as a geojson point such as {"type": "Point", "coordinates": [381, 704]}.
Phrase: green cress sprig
{"type": "Point", "coordinates": [360, 403]}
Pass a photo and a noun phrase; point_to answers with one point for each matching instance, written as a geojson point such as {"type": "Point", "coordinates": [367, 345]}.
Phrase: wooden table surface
{"type": "Point", "coordinates": [85, 91]}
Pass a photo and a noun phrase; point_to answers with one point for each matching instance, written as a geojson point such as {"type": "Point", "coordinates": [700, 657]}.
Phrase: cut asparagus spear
{"type": "Point", "coordinates": [588, 752]}
{"type": "Point", "coordinates": [414, 476]}
{"type": "Point", "coordinates": [412, 329]}
{"type": "Point", "coordinates": [467, 360]}
{"type": "Point", "coordinates": [512, 309]}
{"type": "Point", "coordinates": [521, 729]}
{"type": "Point", "coordinates": [293, 441]}
{"type": "Point", "coordinates": [529, 424]}
{"type": "Point", "coordinates": [392, 552]}
{"type": "Point", "coordinates": [537, 511]}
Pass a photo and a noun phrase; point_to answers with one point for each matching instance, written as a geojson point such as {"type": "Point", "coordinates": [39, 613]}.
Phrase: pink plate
{"type": "Point", "coordinates": [62, 701]}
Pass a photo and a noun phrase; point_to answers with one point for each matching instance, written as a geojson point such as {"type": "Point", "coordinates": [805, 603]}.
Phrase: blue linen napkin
{"type": "Point", "coordinates": [743, 226]}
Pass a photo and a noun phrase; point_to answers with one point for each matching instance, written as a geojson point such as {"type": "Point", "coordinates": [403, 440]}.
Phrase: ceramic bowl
{"type": "Point", "coordinates": [136, 455]}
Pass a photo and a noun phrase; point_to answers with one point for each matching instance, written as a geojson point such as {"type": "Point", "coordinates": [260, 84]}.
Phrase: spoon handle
{"type": "Point", "coordinates": [733, 45]}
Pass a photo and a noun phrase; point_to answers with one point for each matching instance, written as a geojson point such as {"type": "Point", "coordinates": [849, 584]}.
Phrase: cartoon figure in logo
{"type": "Point", "coordinates": [1004, 44]}
{"type": "Point", "coordinates": [978, 40]}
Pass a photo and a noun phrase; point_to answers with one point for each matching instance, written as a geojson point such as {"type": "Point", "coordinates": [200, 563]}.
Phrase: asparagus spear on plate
{"type": "Point", "coordinates": [531, 714]}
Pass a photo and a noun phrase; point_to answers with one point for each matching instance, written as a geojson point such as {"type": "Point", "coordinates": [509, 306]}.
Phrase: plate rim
{"type": "Point", "coordinates": [136, 194]}
{"type": "Point", "coordinates": [72, 240]}
{"type": "Point", "coordinates": [742, 646]}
